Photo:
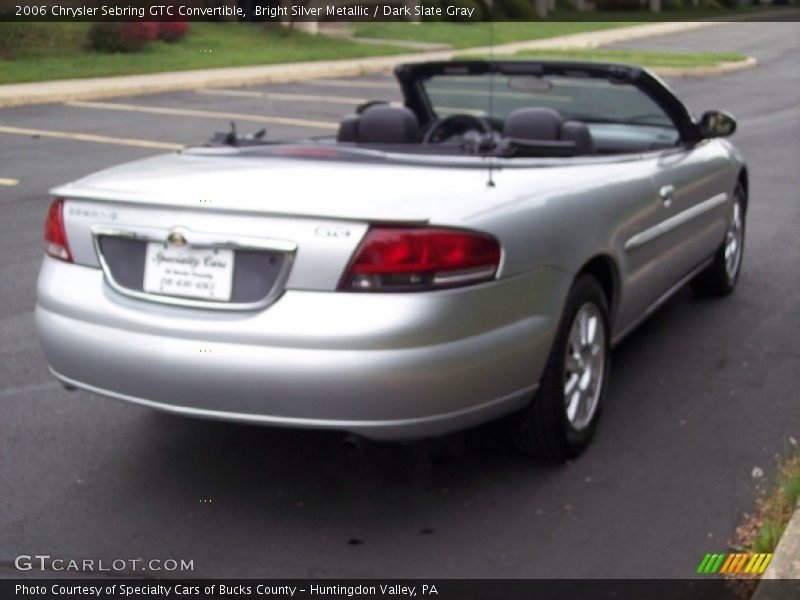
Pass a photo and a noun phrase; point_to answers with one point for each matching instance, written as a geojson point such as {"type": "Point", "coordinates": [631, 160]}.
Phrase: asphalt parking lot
{"type": "Point", "coordinates": [701, 394]}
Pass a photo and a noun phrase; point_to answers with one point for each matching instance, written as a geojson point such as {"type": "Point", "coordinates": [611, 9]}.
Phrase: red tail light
{"type": "Point", "coordinates": [55, 236]}
{"type": "Point", "coordinates": [397, 259]}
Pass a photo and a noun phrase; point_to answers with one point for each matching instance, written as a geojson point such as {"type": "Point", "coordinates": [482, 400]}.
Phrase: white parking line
{"type": "Point", "coordinates": [282, 96]}
{"type": "Point", "coordinates": [88, 137]}
{"type": "Point", "coordinates": [323, 99]}
{"type": "Point", "coordinates": [7, 181]}
{"type": "Point", "coordinates": [354, 84]}
{"type": "Point", "coordinates": [204, 114]}
{"type": "Point", "coordinates": [28, 389]}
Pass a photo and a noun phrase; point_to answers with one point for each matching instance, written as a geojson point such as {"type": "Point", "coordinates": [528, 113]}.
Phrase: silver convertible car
{"type": "Point", "coordinates": [471, 254]}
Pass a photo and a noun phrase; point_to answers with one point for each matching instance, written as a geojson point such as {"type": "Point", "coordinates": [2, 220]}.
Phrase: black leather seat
{"type": "Point", "coordinates": [578, 132]}
{"type": "Point", "coordinates": [348, 129]}
{"type": "Point", "coordinates": [542, 124]}
{"type": "Point", "coordinates": [548, 125]}
{"type": "Point", "coordinates": [380, 124]}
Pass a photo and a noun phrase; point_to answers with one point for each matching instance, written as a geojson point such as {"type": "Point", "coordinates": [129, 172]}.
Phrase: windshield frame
{"type": "Point", "coordinates": [412, 77]}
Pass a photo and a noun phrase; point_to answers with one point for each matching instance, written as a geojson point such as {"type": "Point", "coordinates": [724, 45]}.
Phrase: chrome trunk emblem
{"type": "Point", "coordinates": [176, 239]}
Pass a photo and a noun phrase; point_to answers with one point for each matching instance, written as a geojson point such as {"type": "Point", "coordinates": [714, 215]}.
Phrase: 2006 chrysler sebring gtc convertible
{"type": "Point", "coordinates": [471, 254]}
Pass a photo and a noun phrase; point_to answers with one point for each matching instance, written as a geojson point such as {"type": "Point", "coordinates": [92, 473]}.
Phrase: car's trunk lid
{"type": "Point", "coordinates": [333, 189]}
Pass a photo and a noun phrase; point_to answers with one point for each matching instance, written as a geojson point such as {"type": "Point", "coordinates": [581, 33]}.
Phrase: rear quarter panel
{"type": "Point", "coordinates": [563, 216]}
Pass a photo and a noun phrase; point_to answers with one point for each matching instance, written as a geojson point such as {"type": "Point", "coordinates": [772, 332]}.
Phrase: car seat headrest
{"type": "Point", "coordinates": [385, 124]}
{"type": "Point", "coordinates": [537, 123]}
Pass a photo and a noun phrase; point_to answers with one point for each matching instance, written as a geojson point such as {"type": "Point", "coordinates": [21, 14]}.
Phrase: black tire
{"type": "Point", "coordinates": [543, 428]}
{"type": "Point", "coordinates": [716, 279]}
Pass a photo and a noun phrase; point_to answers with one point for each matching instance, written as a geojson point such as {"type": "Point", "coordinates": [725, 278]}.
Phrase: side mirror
{"type": "Point", "coordinates": [716, 123]}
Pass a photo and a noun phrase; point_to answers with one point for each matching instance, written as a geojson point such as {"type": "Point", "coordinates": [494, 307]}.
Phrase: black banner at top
{"type": "Point", "coordinates": [287, 11]}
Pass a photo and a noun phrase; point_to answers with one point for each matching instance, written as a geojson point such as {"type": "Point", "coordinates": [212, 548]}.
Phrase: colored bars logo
{"type": "Point", "coordinates": [737, 562]}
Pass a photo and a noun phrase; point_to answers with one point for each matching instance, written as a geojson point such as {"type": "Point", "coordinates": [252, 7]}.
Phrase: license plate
{"type": "Point", "coordinates": [189, 272]}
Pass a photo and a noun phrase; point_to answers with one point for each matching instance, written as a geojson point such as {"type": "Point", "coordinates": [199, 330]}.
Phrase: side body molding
{"type": "Point", "coordinates": [648, 235]}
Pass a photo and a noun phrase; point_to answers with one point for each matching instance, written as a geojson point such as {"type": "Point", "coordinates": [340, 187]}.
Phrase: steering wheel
{"type": "Point", "coordinates": [455, 124]}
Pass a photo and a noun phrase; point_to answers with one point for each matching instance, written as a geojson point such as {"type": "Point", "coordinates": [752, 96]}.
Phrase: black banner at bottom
{"type": "Point", "coordinates": [438, 589]}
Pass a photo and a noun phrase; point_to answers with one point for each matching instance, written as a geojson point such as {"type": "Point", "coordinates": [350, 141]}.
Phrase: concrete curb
{"type": "Point", "coordinates": [106, 87]}
{"type": "Point", "coordinates": [721, 68]}
{"type": "Point", "coordinates": [785, 563]}
{"type": "Point", "coordinates": [421, 46]}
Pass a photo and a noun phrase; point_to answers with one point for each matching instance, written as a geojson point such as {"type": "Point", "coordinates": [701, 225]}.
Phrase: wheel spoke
{"type": "Point", "coordinates": [571, 383]}
{"type": "Point", "coordinates": [584, 380]}
{"type": "Point", "coordinates": [572, 407]}
{"type": "Point", "coordinates": [584, 328]}
{"type": "Point", "coordinates": [592, 330]}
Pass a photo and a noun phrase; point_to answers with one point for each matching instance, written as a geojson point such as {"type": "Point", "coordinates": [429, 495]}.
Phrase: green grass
{"type": "Point", "coordinates": [776, 502]}
{"type": "Point", "coordinates": [643, 58]}
{"type": "Point", "coordinates": [42, 51]}
{"type": "Point", "coordinates": [777, 508]}
{"type": "Point", "coordinates": [471, 35]}
{"type": "Point", "coordinates": [562, 21]}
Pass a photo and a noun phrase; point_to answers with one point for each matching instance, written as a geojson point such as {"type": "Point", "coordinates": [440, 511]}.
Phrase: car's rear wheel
{"type": "Point", "coordinates": [720, 278]}
{"type": "Point", "coordinates": [560, 420]}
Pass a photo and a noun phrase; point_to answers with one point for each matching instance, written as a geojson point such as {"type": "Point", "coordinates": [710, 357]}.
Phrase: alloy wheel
{"type": "Point", "coordinates": [733, 242]}
{"type": "Point", "coordinates": [584, 365]}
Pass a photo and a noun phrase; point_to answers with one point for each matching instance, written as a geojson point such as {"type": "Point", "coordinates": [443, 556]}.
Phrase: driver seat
{"type": "Point", "coordinates": [380, 124]}
{"type": "Point", "coordinates": [548, 125]}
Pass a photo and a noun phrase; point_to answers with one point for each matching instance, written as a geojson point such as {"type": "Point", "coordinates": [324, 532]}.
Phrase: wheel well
{"type": "Point", "coordinates": [745, 181]}
{"type": "Point", "coordinates": [602, 267]}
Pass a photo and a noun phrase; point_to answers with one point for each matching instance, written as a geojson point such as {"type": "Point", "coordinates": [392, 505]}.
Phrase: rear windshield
{"type": "Point", "coordinates": [583, 98]}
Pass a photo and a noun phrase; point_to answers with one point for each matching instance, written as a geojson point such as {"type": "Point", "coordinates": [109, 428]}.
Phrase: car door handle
{"type": "Point", "coordinates": [666, 193]}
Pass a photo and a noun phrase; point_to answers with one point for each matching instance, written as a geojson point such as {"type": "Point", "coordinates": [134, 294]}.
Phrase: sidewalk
{"type": "Point", "coordinates": [104, 87]}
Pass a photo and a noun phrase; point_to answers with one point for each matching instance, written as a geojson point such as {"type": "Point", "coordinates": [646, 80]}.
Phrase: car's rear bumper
{"type": "Point", "coordinates": [386, 366]}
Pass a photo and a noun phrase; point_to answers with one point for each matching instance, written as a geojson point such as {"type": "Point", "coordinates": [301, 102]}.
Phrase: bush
{"type": "Point", "coordinates": [517, 9]}
{"type": "Point", "coordinates": [671, 4]}
{"type": "Point", "coordinates": [497, 13]}
{"type": "Point", "coordinates": [16, 35]}
{"type": "Point", "coordinates": [172, 31]}
{"type": "Point", "coordinates": [122, 37]}
{"type": "Point", "coordinates": [484, 12]}
{"type": "Point", "coordinates": [619, 5]}
{"type": "Point", "coordinates": [30, 39]}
